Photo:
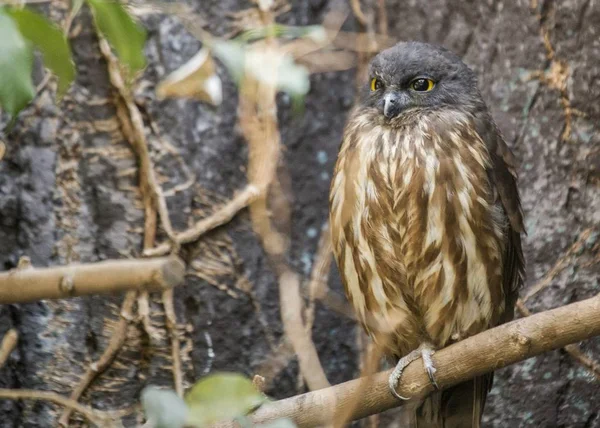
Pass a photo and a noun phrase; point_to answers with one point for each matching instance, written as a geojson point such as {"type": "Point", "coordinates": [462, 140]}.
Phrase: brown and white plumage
{"type": "Point", "coordinates": [425, 217]}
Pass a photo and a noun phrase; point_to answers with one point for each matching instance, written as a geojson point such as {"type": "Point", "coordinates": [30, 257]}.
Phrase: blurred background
{"type": "Point", "coordinates": [69, 193]}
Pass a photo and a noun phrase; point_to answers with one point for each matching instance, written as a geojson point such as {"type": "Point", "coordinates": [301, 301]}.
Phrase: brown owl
{"type": "Point", "coordinates": [426, 218]}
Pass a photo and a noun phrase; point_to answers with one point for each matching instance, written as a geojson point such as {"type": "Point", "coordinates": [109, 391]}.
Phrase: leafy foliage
{"type": "Point", "coordinates": [221, 396]}
{"type": "Point", "coordinates": [51, 42]}
{"type": "Point", "coordinates": [16, 60]}
{"type": "Point", "coordinates": [125, 36]}
{"type": "Point", "coordinates": [214, 398]}
{"type": "Point", "coordinates": [163, 408]}
{"type": "Point", "coordinates": [23, 29]}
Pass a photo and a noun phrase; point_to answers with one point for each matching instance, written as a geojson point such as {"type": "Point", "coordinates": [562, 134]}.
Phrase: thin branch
{"type": "Point", "coordinates": [317, 287]}
{"type": "Point", "coordinates": [220, 217]}
{"type": "Point", "coordinates": [258, 121]}
{"type": "Point", "coordinates": [358, 13]}
{"type": "Point", "coordinates": [154, 201]}
{"type": "Point", "coordinates": [578, 355]}
{"type": "Point", "coordinates": [113, 276]}
{"type": "Point", "coordinates": [9, 342]}
{"type": "Point", "coordinates": [290, 301]}
{"type": "Point", "coordinates": [133, 129]}
{"type": "Point", "coordinates": [96, 368]}
{"type": "Point", "coordinates": [479, 354]}
{"type": "Point", "coordinates": [96, 417]}
{"type": "Point", "coordinates": [572, 350]}
{"type": "Point", "coordinates": [171, 322]}
{"type": "Point", "coordinates": [560, 265]}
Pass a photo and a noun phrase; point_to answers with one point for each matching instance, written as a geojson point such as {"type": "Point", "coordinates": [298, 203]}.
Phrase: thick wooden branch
{"type": "Point", "coordinates": [112, 276]}
{"type": "Point", "coordinates": [485, 352]}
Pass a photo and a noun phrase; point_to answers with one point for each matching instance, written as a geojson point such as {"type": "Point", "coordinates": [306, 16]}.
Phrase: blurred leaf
{"type": "Point", "coordinates": [221, 396]}
{"type": "Point", "coordinates": [232, 54]}
{"type": "Point", "coordinates": [315, 32]}
{"type": "Point", "coordinates": [125, 36]}
{"type": "Point", "coordinates": [265, 65]}
{"type": "Point", "coordinates": [51, 42]}
{"type": "Point", "coordinates": [292, 78]}
{"type": "Point", "coordinates": [196, 78]}
{"type": "Point", "coordinates": [163, 408]}
{"type": "Point", "coordinates": [16, 63]}
{"type": "Point", "coordinates": [278, 423]}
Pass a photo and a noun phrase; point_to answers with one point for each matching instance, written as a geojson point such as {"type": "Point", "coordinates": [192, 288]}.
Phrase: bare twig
{"type": "Point", "coordinates": [171, 321]}
{"type": "Point", "coordinates": [560, 265]}
{"type": "Point", "coordinates": [573, 350]}
{"type": "Point", "coordinates": [113, 276]}
{"type": "Point", "coordinates": [485, 352]}
{"type": "Point", "coordinates": [8, 345]}
{"type": "Point", "coordinates": [220, 217]}
{"type": "Point", "coordinates": [317, 287]}
{"type": "Point", "coordinates": [258, 121]}
{"type": "Point", "coordinates": [96, 417]}
{"type": "Point", "coordinates": [98, 367]}
{"type": "Point", "coordinates": [291, 317]}
{"type": "Point", "coordinates": [133, 128]}
{"type": "Point", "coordinates": [154, 201]}
{"type": "Point", "coordinates": [358, 13]}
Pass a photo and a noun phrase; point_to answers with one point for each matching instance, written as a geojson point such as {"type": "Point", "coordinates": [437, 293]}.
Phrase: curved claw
{"type": "Point", "coordinates": [430, 372]}
{"type": "Point", "coordinates": [395, 393]}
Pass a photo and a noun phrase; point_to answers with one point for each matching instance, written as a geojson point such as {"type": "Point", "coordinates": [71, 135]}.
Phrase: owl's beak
{"type": "Point", "coordinates": [392, 105]}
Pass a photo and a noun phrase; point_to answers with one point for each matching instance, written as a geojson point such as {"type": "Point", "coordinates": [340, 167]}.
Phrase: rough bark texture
{"type": "Point", "coordinates": [68, 192]}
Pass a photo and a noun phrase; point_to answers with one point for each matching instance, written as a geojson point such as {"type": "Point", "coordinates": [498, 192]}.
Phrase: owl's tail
{"type": "Point", "coordinates": [458, 407]}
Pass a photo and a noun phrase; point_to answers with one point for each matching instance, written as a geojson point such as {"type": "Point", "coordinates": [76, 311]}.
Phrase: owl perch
{"type": "Point", "coordinates": [28, 284]}
{"type": "Point", "coordinates": [479, 354]}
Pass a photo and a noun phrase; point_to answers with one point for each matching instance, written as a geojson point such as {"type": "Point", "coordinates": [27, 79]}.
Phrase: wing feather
{"type": "Point", "coordinates": [503, 178]}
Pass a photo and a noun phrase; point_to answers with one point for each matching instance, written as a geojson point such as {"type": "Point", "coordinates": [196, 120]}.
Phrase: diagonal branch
{"type": "Point", "coordinates": [479, 354]}
{"type": "Point", "coordinates": [220, 217]}
{"type": "Point", "coordinates": [98, 367]}
{"type": "Point", "coordinates": [96, 417]}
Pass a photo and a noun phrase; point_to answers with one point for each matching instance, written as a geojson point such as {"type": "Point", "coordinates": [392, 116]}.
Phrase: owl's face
{"type": "Point", "coordinates": [413, 76]}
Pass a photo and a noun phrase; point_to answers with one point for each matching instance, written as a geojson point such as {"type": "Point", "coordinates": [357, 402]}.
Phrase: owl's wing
{"type": "Point", "coordinates": [503, 178]}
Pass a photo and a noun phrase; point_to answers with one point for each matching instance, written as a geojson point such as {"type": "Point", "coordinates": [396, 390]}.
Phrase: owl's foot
{"type": "Point", "coordinates": [425, 351]}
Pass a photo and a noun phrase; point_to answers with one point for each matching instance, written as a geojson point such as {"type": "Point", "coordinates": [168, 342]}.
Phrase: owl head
{"type": "Point", "coordinates": [413, 76]}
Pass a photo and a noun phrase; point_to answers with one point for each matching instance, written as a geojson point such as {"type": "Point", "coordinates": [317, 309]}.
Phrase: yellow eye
{"type": "Point", "coordinates": [375, 84]}
{"type": "Point", "coordinates": [422, 84]}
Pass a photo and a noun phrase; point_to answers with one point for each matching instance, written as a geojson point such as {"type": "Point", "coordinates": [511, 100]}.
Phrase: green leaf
{"type": "Point", "coordinates": [221, 396]}
{"type": "Point", "coordinates": [16, 63]}
{"type": "Point", "coordinates": [125, 36]}
{"type": "Point", "coordinates": [51, 42]}
{"type": "Point", "coordinates": [163, 408]}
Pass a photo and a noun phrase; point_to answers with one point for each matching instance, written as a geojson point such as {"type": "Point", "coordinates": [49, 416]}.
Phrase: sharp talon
{"type": "Point", "coordinates": [432, 378]}
{"type": "Point", "coordinates": [426, 353]}
{"type": "Point", "coordinates": [398, 396]}
{"type": "Point", "coordinates": [396, 374]}
{"type": "Point", "coordinates": [393, 384]}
